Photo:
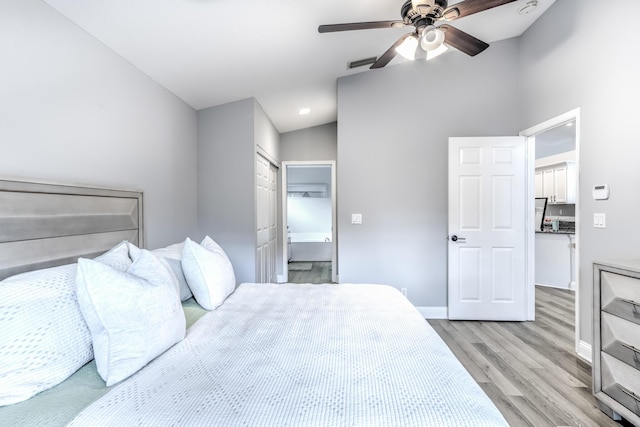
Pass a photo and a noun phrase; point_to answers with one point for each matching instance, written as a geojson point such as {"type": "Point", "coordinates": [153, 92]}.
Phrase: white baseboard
{"type": "Point", "coordinates": [280, 278]}
{"type": "Point", "coordinates": [584, 351]}
{"type": "Point", "coordinates": [433, 312]}
{"type": "Point", "coordinates": [566, 288]}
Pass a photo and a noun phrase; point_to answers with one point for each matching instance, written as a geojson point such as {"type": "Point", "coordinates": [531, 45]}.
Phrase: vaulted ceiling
{"type": "Point", "coordinates": [210, 52]}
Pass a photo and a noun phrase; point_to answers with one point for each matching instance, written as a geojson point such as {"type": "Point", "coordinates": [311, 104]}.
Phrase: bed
{"type": "Point", "coordinates": [262, 355]}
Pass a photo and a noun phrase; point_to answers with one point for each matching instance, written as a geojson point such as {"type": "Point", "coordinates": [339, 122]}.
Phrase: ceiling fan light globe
{"type": "Point", "coordinates": [436, 52]}
{"type": "Point", "coordinates": [432, 38]}
{"type": "Point", "coordinates": [408, 48]}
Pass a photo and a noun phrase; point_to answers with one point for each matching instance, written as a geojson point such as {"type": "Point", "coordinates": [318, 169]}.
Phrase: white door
{"type": "Point", "coordinates": [266, 224]}
{"type": "Point", "coordinates": [487, 229]}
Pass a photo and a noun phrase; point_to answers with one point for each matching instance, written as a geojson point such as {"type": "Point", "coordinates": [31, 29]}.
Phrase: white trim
{"type": "Point", "coordinates": [530, 134]}
{"type": "Point", "coordinates": [268, 156]}
{"type": "Point", "coordinates": [434, 312]}
{"type": "Point", "coordinates": [530, 238]}
{"type": "Point", "coordinates": [281, 278]}
{"type": "Point", "coordinates": [552, 123]}
{"type": "Point", "coordinates": [564, 288]}
{"type": "Point", "coordinates": [334, 226]}
{"type": "Point", "coordinates": [584, 351]}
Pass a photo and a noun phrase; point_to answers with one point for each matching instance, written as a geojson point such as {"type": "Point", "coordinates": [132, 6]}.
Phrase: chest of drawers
{"type": "Point", "coordinates": [616, 340]}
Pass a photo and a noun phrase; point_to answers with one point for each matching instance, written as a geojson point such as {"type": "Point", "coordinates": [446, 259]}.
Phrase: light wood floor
{"type": "Point", "coordinates": [529, 369]}
{"type": "Point", "coordinates": [320, 272]}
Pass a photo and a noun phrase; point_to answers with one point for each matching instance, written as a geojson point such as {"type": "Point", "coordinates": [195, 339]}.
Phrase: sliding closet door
{"type": "Point", "coordinates": [266, 205]}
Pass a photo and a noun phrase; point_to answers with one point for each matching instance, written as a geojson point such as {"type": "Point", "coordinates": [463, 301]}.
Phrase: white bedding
{"type": "Point", "coordinates": [302, 355]}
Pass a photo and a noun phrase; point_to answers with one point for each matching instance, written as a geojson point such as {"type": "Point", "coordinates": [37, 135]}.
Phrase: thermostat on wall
{"type": "Point", "coordinates": [601, 192]}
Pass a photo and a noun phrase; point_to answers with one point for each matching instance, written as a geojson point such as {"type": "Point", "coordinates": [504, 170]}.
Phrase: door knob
{"type": "Point", "coordinates": [455, 238]}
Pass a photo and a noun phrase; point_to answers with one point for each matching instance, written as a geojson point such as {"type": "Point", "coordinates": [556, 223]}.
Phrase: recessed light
{"type": "Point", "coordinates": [569, 124]}
{"type": "Point", "coordinates": [528, 7]}
{"type": "Point", "coordinates": [304, 111]}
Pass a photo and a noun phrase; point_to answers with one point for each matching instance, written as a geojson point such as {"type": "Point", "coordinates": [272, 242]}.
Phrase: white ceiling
{"type": "Point", "coordinates": [210, 52]}
{"type": "Point", "coordinates": [560, 135]}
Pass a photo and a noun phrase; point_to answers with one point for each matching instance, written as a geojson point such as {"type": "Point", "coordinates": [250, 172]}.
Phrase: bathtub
{"type": "Point", "coordinates": [310, 246]}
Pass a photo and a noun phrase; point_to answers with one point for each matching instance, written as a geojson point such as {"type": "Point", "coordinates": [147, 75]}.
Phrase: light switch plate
{"type": "Point", "coordinates": [356, 218]}
{"type": "Point", "coordinates": [599, 220]}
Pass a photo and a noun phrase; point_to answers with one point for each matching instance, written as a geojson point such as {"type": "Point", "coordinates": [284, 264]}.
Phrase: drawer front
{"type": "Point", "coordinates": [621, 339]}
{"type": "Point", "coordinates": [621, 382]}
{"type": "Point", "coordinates": [620, 295]}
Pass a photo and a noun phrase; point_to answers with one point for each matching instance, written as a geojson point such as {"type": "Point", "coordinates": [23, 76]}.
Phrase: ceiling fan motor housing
{"type": "Point", "coordinates": [429, 7]}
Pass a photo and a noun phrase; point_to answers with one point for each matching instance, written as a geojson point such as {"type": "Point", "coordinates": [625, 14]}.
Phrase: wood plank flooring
{"type": "Point", "coordinates": [320, 273]}
{"type": "Point", "coordinates": [530, 369]}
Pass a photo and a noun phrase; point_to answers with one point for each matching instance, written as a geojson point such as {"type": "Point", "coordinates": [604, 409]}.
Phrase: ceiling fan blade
{"type": "Point", "coordinates": [359, 26]}
{"type": "Point", "coordinates": [462, 41]}
{"type": "Point", "coordinates": [391, 53]}
{"type": "Point", "coordinates": [469, 7]}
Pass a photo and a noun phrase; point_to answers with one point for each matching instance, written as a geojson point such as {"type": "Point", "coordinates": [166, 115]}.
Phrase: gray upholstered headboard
{"type": "Point", "coordinates": [44, 225]}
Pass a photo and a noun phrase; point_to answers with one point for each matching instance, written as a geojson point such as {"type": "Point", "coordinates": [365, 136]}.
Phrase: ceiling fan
{"type": "Point", "coordinates": [427, 38]}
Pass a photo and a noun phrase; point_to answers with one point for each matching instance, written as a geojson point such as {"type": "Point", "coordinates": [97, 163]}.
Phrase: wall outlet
{"type": "Point", "coordinates": [356, 218]}
{"type": "Point", "coordinates": [404, 291]}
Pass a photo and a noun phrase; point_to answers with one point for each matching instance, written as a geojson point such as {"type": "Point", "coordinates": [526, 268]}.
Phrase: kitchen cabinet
{"type": "Point", "coordinates": [539, 182]}
{"type": "Point", "coordinates": [557, 183]}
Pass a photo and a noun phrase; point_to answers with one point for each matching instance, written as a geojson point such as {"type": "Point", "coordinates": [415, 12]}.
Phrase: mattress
{"type": "Point", "coordinates": [302, 355]}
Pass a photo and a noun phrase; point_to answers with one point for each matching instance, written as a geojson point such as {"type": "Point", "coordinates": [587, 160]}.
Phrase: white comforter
{"type": "Point", "coordinates": [302, 355]}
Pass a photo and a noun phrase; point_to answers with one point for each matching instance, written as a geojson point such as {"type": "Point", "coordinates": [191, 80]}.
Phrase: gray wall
{"type": "Point", "coordinates": [266, 136]}
{"type": "Point", "coordinates": [73, 111]}
{"type": "Point", "coordinates": [567, 61]}
{"type": "Point", "coordinates": [228, 136]}
{"type": "Point", "coordinates": [393, 130]}
{"type": "Point", "coordinates": [226, 202]}
{"type": "Point", "coordinates": [311, 144]}
{"type": "Point", "coordinates": [310, 174]}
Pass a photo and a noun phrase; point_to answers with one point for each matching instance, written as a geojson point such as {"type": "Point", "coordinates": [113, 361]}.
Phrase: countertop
{"type": "Point", "coordinates": [560, 231]}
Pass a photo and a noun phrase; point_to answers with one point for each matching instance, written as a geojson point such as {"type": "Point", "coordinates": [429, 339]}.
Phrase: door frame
{"type": "Point", "coordinates": [582, 349]}
{"type": "Point", "coordinates": [334, 228]}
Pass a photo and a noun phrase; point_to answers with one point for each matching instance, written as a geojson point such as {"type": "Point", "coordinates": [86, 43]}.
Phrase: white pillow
{"type": "Point", "coordinates": [209, 274]}
{"type": "Point", "coordinates": [120, 256]}
{"type": "Point", "coordinates": [134, 316]}
{"type": "Point", "coordinates": [171, 257]}
{"type": "Point", "coordinates": [43, 336]}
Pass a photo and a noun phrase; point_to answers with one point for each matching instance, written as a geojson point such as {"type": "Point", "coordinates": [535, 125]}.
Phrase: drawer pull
{"type": "Point", "coordinates": [630, 393]}
{"type": "Point", "coordinates": [630, 301]}
{"type": "Point", "coordinates": [630, 347]}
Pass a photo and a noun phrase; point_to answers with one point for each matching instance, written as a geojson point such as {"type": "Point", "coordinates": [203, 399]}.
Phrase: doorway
{"type": "Point", "coordinates": [308, 217]}
{"type": "Point", "coordinates": [560, 210]}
